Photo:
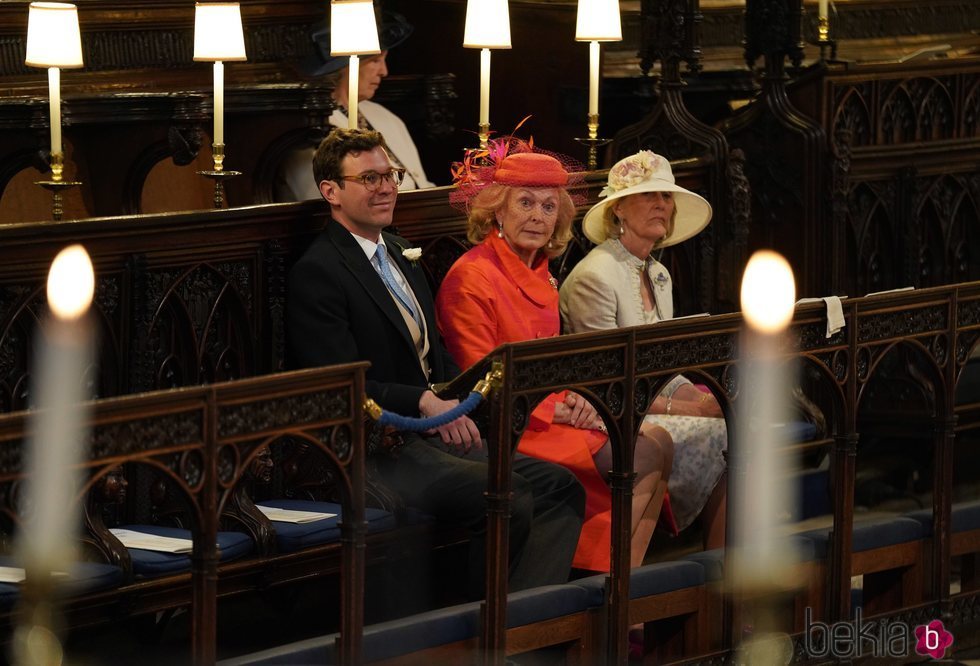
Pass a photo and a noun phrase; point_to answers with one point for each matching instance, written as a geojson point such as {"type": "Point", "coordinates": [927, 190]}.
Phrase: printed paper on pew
{"type": "Point", "coordinates": [17, 575]}
{"type": "Point", "coordinates": [144, 541]}
{"type": "Point", "coordinates": [690, 316]}
{"type": "Point", "coordinates": [293, 516]}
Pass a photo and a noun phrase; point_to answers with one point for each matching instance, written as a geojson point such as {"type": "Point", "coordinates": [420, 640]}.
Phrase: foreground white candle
{"type": "Point", "coordinates": [593, 78]}
{"type": "Point", "coordinates": [823, 9]}
{"type": "Point", "coordinates": [484, 86]}
{"type": "Point", "coordinates": [352, 86]}
{"type": "Point", "coordinates": [54, 104]}
{"type": "Point", "coordinates": [58, 427]}
{"type": "Point", "coordinates": [768, 295]}
{"type": "Point", "coordinates": [219, 102]}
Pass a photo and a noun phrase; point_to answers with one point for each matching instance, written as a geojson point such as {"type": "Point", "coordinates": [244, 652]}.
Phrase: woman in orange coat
{"type": "Point", "coordinates": [501, 291]}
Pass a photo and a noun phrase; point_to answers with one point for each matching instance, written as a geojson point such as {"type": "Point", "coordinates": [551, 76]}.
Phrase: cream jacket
{"type": "Point", "coordinates": [603, 291]}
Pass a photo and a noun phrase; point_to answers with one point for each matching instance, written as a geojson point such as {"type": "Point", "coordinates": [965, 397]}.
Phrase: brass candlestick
{"type": "Point", "coordinates": [57, 185]}
{"type": "Point", "coordinates": [484, 135]}
{"type": "Point", "coordinates": [593, 141]}
{"type": "Point", "coordinates": [218, 174]}
{"type": "Point", "coordinates": [823, 39]}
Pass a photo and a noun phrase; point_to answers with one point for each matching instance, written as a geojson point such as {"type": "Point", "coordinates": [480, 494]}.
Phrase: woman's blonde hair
{"type": "Point", "coordinates": [483, 216]}
{"type": "Point", "coordinates": [613, 228]}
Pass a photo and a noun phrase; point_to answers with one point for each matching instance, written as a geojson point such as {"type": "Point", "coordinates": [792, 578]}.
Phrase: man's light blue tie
{"type": "Point", "coordinates": [384, 269]}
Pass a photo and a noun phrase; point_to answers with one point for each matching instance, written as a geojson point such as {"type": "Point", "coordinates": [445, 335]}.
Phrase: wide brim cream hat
{"type": "Point", "coordinates": [647, 172]}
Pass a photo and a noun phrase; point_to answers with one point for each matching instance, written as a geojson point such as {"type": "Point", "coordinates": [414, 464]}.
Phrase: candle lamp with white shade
{"type": "Point", "coordinates": [54, 41]}
{"type": "Point", "coordinates": [353, 33]}
{"type": "Point", "coordinates": [597, 21]}
{"type": "Point", "coordinates": [487, 27]}
{"type": "Point", "coordinates": [59, 430]}
{"type": "Point", "coordinates": [218, 38]}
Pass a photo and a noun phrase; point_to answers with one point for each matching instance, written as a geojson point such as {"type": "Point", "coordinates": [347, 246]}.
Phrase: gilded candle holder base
{"type": "Point", "coordinates": [219, 178]}
{"type": "Point", "coordinates": [593, 142]}
{"type": "Point", "coordinates": [218, 174]}
{"type": "Point", "coordinates": [57, 187]}
{"type": "Point", "coordinates": [824, 41]}
{"type": "Point", "coordinates": [484, 134]}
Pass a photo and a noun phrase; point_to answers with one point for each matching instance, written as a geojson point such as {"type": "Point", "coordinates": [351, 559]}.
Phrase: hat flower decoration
{"type": "Point", "coordinates": [509, 160]}
{"type": "Point", "coordinates": [631, 171]}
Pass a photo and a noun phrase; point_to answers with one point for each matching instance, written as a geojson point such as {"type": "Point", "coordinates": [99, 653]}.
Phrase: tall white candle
{"type": "Point", "coordinates": [484, 86]}
{"type": "Point", "coordinates": [54, 104]}
{"type": "Point", "coordinates": [58, 428]}
{"type": "Point", "coordinates": [823, 9]}
{"type": "Point", "coordinates": [219, 102]}
{"type": "Point", "coordinates": [768, 294]}
{"type": "Point", "coordinates": [352, 86]}
{"type": "Point", "coordinates": [593, 78]}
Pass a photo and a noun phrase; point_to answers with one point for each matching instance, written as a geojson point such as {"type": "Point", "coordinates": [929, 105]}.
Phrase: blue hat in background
{"type": "Point", "coordinates": [393, 29]}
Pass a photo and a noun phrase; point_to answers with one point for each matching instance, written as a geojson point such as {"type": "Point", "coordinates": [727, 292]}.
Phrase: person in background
{"type": "Point", "coordinates": [295, 181]}
{"type": "Point", "coordinates": [618, 284]}
{"type": "Point", "coordinates": [520, 216]}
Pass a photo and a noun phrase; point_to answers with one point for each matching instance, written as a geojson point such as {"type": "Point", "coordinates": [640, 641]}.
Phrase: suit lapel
{"type": "Point", "coordinates": [413, 275]}
{"type": "Point", "coordinates": [360, 267]}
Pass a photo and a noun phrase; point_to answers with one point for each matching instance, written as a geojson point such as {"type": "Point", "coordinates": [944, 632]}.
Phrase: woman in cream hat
{"type": "Point", "coordinates": [621, 284]}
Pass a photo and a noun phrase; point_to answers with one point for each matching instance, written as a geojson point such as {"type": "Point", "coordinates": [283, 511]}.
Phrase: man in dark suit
{"type": "Point", "coordinates": [355, 296]}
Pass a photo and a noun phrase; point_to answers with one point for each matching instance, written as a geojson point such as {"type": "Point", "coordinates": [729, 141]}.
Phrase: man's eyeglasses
{"type": "Point", "coordinates": [371, 180]}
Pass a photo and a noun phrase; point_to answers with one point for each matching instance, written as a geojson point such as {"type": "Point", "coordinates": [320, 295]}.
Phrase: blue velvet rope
{"type": "Point", "coordinates": [413, 424]}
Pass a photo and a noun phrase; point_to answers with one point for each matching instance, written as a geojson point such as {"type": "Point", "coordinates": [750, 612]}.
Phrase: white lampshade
{"type": "Point", "coordinates": [53, 37]}
{"type": "Point", "coordinates": [218, 31]}
{"type": "Point", "coordinates": [598, 21]}
{"type": "Point", "coordinates": [353, 28]}
{"type": "Point", "coordinates": [487, 25]}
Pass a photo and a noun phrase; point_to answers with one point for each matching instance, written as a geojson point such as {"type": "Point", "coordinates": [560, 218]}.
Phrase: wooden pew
{"type": "Point", "coordinates": [202, 440]}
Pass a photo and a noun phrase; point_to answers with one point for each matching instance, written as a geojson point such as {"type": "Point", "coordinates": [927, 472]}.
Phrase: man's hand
{"type": "Point", "coordinates": [461, 433]}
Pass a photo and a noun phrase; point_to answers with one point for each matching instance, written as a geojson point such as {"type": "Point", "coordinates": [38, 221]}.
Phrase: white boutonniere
{"type": "Point", "coordinates": [413, 254]}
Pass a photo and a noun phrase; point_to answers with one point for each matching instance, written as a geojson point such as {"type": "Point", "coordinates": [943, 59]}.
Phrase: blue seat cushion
{"type": "Point", "coordinates": [869, 534]}
{"type": "Point", "coordinates": [965, 517]}
{"type": "Point", "coordinates": [86, 577]}
{"type": "Point", "coordinates": [813, 486]}
{"type": "Point", "coordinates": [544, 603]}
{"type": "Point", "coordinates": [291, 537]}
{"type": "Point", "coordinates": [9, 593]}
{"type": "Point", "coordinates": [796, 431]}
{"type": "Point", "coordinates": [799, 550]}
{"type": "Point", "coordinates": [647, 580]}
{"type": "Point", "coordinates": [149, 563]}
{"type": "Point", "coordinates": [83, 578]}
{"type": "Point", "coordinates": [381, 641]}
{"type": "Point", "coordinates": [426, 630]}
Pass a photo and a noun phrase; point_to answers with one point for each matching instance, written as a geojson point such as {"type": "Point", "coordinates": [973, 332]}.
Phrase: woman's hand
{"type": "Point", "coordinates": [577, 412]}
{"type": "Point", "coordinates": [687, 403]}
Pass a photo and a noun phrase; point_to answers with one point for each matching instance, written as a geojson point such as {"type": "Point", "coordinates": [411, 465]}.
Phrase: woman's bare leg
{"type": "Point", "coordinates": [653, 452]}
{"type": "Point", "coordinates": [713, 515]}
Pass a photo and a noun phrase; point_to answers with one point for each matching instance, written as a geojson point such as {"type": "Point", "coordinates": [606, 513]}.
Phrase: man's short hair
{"type": "Point", "coordinates": [338, 144]}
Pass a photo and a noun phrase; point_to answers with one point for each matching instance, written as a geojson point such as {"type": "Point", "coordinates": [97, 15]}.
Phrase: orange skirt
{"type": "Point", "coordinates": [573, 449]}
